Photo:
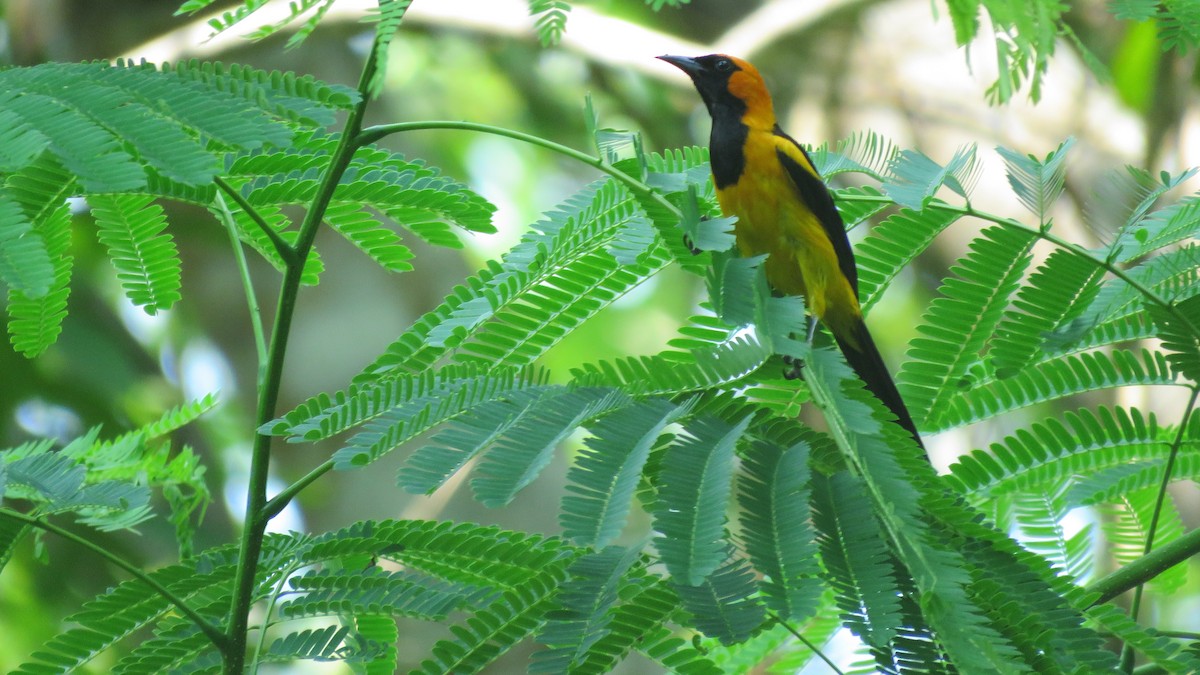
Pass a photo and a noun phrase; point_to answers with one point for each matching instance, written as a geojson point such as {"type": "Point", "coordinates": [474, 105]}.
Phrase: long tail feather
{"type": "Point", "coordinates": [866, 360]}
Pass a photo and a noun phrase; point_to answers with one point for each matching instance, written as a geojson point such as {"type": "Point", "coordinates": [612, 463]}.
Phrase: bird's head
{"type": "Point", "coordinates": [727, 83]}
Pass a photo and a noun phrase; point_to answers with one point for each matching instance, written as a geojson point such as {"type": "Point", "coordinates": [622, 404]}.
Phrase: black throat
{"type": "Point", "coordinates": [726, 143]}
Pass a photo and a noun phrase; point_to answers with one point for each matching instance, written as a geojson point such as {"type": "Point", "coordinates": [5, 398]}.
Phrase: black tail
{"type": "Point", "coordinates": [868, 363]}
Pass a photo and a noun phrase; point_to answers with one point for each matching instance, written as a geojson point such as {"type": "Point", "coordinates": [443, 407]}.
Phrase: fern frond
{"type": "Point", "coordinates": [383, 632]}
{"type": "Point", "coordinates": [1126, 526]}
{"type": "Point", "coordinates": [647, 603]}
{"type": "Point", "coordinates": [321, 644]}
{"type": "Point", "coordinates": [1037, 182]}
{"type": "Point", "coordinates": [550, 18]}
{"type": "Point", "coordinates": [1055, 293]}
{"type": "Point", "coordinates": [465, 438]}
{"type": "Point", "coordinates": [856, 558]}
{"type": "Point", "coordinates": [1160, 650]}
{"type": "Point", "coordinates": [522, 451]}
{"type": "Point", "coordinates": [1180, 335]}
{"type": "Point", "coordinates": [373, 591]}
{"type": "Point", "coordinates": [723, 605]}
{"type": "Point", "coordinates": [1039, 515]}
{"type": "Point", "coordinates": [387, 18]}
{"type": "Point", "coordinates": [893, 244]}
{"type": "Point", "coordinates": [601, 483]}
{"type": "Point", "coordinates": [693, 496]}
{"type": "Point", "coordinates": [25, 264]}
{"type": "Point", "coordinates": [774, 493]}
{"type": "Point", "coordinates": [131, 228]}
{"type": "Point", "coordinates": [1049, 452]}
{"type": "Point", "coordinates": [673, 372]}
{"type": "Point", "coordinates": [585, 605]}
{"type": "Point", "coordinates": [914, 178]}
{"type": "Point", "coordinates": [41, 189]}
{"type": "Point", "coordinates": [360, 228]}
{"type": "Point", "coordinates": [862, 152]}
{"type": "Point", "coordinates": [956, 325]}
{"type": "Point", "coordinates": [1055, 379]}
{"type": "Point", "coordinates": [493, 630]}
{"type": "Point", "coordinates": [126, 608]}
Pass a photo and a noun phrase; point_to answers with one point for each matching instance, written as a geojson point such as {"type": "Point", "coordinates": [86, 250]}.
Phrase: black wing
{"type": "Point", "coordinates": [816, 197]}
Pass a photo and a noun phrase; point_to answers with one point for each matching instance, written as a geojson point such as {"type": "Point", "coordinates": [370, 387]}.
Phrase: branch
{"type": "Point", "coordinates": [284, 249]}
{"type": "Point", "coordinates": [1146, 567]}
{"type": "Point", "coordinates": [213, 633]}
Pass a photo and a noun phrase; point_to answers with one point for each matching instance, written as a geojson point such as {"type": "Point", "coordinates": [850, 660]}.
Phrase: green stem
{"type": "Point", "coordinates": [1041, 233]}
{"type": "Point", "coordinates": [260, 458]}
{"type": "Point", "coordinates": [280, 501]}
{"type": "Point", "coordinates": [373, 134]}
{"type": "Point", "coordinates": [284, 249]}
{"type": "Point", "coordinates": [256, 325]}
{"type": "Point", "coordinates": [1136, 606]}
{"type": "Point", "coordinates": [806, 642]}
{"type": "Point", "coordinates": [1146, 567]}
{"type": "Point", "coordinates": [212, 632]}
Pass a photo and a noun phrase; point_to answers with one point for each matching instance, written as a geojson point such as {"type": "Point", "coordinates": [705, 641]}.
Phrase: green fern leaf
{"type": "Point", "coordinates": [602, 481]}
{"type": "Point", "coordinates": [855, 557]}
{"type": "Point", "coordinates": [1037, 183]}
{"type": "Point", "coordinates": [673, 372]}
{"type": "Point", "coordinates": [176, 647]}
{"type": "Point", "coordinates": [464, 438]}
{"type": "Point", "coordinates": [42, 190]}
{"type": "Point", "coordinates": [1160, 650]}
{"type": "Point", "coordinates": [25, 264]}
{"type": "Point", "coordinates": [647, 604]}
{"type": "Point", "coordinates": [131, 228]}
{"type": "Point", "coordinates": [1179, 331]}
{"type": "Point", "coordinates": [519, 455]}
{"type": "Point", "coordinates": [380, 243]}
{"type": "Point", "coordinates": [862, 152]}
{"type": "Point", "coordinates": [693, 497]}
{"type": "Point", "coordinates": [1047, 453]}
{"type": "Point", "coordinates": [1055, 379]}
{"type": "Point", "coordinates": [584, 611]}
{"type": "Point", "coordinates": [722, 605]}
{"type": "Point", "coordinates": [1126, 525]}
{"type": "Point", "coordinates": [381, 631]}
{"type": "Point", "coordinates": [387, 18]}
{"type": "Point", "coordinates": [91, 154]}
{"type": "Point", "coordinates": [956, 325]}
{"type": "Point", "coordinates": [1056, 293]}
{"type": "Point", "coordinates": [1039, 515]}
{"type": "Point", "coordinates": [373, 591]}
{"type": "Point", "coordinates": [491, 631]}
{"type": "Point", "coordinates": [773, 493]}
{"type": "Point", "coordinates": [550, 19]}
{"type": "Point", "coordinates": [914, 177]}
{"type": "Point", "coordinates": [20, 143]}
{"type": "Point", "coordinates": [321, 644]}
{"type": "Point", "coordinates": [892, 244]}
{"type": "Point", "coordinates": [126, 608]}
{"type": "Point", "coordinates": [301, 99]}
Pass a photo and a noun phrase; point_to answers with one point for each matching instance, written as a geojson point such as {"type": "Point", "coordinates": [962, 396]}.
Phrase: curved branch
{"type": "Point", "coordinates": [214, 634]}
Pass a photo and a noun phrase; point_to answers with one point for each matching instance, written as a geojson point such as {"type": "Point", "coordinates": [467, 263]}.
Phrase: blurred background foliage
{"type": "Point", "coordinates": [836, 67]}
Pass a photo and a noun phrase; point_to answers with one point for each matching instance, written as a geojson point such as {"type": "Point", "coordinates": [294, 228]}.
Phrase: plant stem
{"type": "Point", "coordinates": [1136, 606]}
{"type": "Point", "coordinates": [372, 134]}
{"type": "Point", "coordinates": [212, 632]}
{"type": "Point", "coordinates": [806, 642]}
{"type": "Point", "coordinates": [256, 325]}
{"type": "Point", "coordinates": [1146, 567]}
{"type": "Point", "coordinates": [284, 249]}
{"type": "Point", "coordinates": [257, 516]}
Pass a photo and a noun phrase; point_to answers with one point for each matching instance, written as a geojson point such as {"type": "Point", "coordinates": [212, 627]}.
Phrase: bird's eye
{"type": "Point", "coordinates": [724, 65]}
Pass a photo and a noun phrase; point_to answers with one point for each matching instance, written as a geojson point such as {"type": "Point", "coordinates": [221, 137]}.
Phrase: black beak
{"type": "Point", "coordinates": [685, 63]}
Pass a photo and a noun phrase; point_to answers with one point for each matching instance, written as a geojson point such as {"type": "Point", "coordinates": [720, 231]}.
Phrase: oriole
{"type": "Point", "coordinates": [784, 210]}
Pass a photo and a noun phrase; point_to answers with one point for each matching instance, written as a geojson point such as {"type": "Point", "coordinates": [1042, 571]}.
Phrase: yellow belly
{"type": "Point", "coordinates": [800, 258]}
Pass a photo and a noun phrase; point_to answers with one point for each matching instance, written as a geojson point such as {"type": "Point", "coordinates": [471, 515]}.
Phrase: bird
{"type": "Point", "coordinates": [784, 210]}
